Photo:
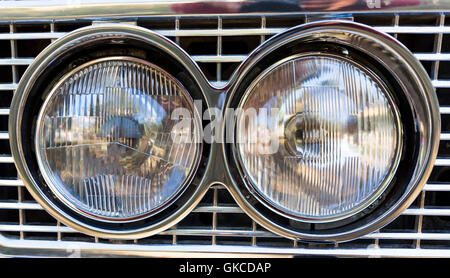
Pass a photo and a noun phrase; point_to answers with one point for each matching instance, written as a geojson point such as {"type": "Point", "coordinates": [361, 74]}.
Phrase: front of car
{"type": "Point", "coordinates": [225, 128]}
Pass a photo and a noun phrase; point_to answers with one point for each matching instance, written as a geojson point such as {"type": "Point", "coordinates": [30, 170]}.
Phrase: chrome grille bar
{"type": "Point", "coordinates": [233, 58]}
{"type": "Point", "coordinates": [234, 32]}
{"type": "Point", "coordinates": [235, 209]}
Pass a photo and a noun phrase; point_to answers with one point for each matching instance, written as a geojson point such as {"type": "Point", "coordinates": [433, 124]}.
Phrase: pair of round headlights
{"type": "Point", "coordinates": [337, 133]}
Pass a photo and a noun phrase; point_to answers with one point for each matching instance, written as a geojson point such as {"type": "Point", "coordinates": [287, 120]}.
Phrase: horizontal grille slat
{"type": "Point", "coordinates": [4, 111]}
{"type": "Point", "coordinates": [414, 236]}
{"type": "Point", "coordinates": [36, 228]}
{"type": "Point", "coordinates": [237, 32]}
{"type": "Point", "coordinates": [441, 83]}
{"type": "Point", "coordinates": [444, 110]}
{"type": "Point", "coordinates": [437, 187]}
{"type": "Point", "coordinates": [11, 182]}
{"type": "Point", "coordinates": [11, 86]}
{"type": "Point", "coordinates": [19, 205]}
{"type": "Point", "coordinates": [6, 159]}
{"type": "Point", "coordinates": [234, 58]}
{"type": "Point", "coordinates": [221, 32]}
{"type": "Point", "coordinates": [236, 209]}
{"type": "Point", "coordinates": [442, 162]}
{"type": "Point", "coordinates": [4, 135]}
{"type": "Point", "coordinates": [414, 29]}
{"type": "Point", "coordinates": [234, 233]}
{"type": "Point", "coordinates": [16, 61]}
{"type": "Point", "coordinates": [219, 58]}
{"type": "Point", "coordinates": [432, 56]}
{"type": "Point", "coordinates": [30, 36]}
{"type": "Point", "coordinates": [428, 211]}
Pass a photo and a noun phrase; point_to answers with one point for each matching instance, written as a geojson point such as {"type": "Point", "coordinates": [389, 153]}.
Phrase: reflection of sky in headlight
{"type": "Point", "coordinates": [337, 136]}
{"type": "Point", "coordinates": [106, 143]}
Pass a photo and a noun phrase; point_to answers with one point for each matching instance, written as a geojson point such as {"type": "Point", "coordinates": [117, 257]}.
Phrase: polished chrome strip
{"type": "Point", "coordinates": [16, 61]}
{"type": "Point", "coordinates": [221, 232]}
{"type": "Point", "coordinates": [30, 36]}
{"type": "Point", "coordinates": [427, 211]}
{"type": "Point", "coordinates": [9, 86]}
{"type": "Point", "coordinates": [4, 135]}
{"type": "Point", "coordinates": [45, 248]}
{"type": "Point", "coordinates": [432, 56]}
{"type": "Point", "coordinates": [219, 58]}
{"type": "Point", "coordinates": [21, 10]}
{"type": "Point", "coordinates": [11, 182]}
{"type": "Point", "coordinates": [6, 159]}
{"type": "Point", "coordinates": [416, 236]}
{"type": "Point", "coordinates": [219, 209]}
{"type": "Point", "coordinates": [20, 205]}
{"type": "Point", "coordinates": [36, 228]}
{"type": "Point", "coordinates": [234, 58]}
{"type": "Point", "coordinates": [244, 32]}
{"type": "Point", "coordinates": [414, 29]}
{"type": "Point", "coordinates": [227, 232]}
{"type": "Point", "coordinates": [445, 136]}
{"type": "Point", "coordinates": [441, 83]}
{"type": "Point", "coordinates": [220, 32]}
{"type": "Point", "coordinates": [436, 187]}
{"type": "Point", "coordinates": [442, 162]}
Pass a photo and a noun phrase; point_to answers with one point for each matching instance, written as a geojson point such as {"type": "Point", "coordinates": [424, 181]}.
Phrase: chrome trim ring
{"type": "Point", "coordinates": [166, 217]}
{"type": "Point", "coordinates": [399, 63]}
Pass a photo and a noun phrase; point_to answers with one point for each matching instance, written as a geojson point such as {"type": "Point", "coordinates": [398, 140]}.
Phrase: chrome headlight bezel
{"type": "Point", "coordinates": [65, 54]}
{"type": "Point", "coordinates": [400, 69]}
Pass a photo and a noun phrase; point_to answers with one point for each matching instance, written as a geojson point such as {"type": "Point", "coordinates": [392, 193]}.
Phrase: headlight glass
{"type": "Point", "coordinates": [105, 143]}
{"type": "Point", "coordinates": [337, 133]}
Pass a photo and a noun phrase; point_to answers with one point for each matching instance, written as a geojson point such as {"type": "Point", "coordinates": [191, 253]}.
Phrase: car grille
{"type": "Point", "coordinates": [218, 44]}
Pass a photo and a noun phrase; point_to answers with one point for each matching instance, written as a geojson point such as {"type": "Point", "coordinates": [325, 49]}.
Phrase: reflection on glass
{"type": "Point", "coordinates": [105, 139]}
{"type": "Point", "coordinates": [338, 137]}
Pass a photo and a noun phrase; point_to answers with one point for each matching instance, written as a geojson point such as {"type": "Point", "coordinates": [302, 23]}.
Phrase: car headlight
{"type": "Point", "coordinates": [335, 131]}
{"type": "Point", "coordinates": [104, 138]}
{"type": "Point", "coordinates": [105, 132]}
{"type": "Point", "coordinates": [338, 132]}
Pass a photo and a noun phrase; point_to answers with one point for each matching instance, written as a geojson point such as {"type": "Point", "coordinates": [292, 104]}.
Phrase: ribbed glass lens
{"type": "Point", "coordinates": [105, 141]}
{"type": "Point", "coordinates": [324, 141]}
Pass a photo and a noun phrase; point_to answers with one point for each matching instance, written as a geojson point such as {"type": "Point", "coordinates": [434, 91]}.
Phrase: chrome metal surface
{"type": "Point", "coordinates": [54, 239]}
{"type": "Point", "coordinates": [119, 8]}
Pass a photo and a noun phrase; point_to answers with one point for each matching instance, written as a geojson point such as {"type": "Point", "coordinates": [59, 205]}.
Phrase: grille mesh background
{"type": "Point", "coordinates": [218, 44]}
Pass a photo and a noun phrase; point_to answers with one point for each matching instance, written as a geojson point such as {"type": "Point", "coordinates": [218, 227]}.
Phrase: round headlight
{"type": "Point", "coordinates": [104, 143]}
{"type": "Point", "coordinates": [338, 137]}
{"type": "Point", "coordinates": [335, 131]}
{"type": "Point", "coordinates": [105, 133]}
